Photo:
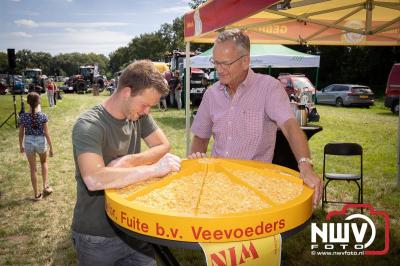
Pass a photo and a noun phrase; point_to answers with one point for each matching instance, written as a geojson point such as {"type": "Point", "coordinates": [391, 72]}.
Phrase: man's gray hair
{"type": "Point", "coordinates": [240, 39]}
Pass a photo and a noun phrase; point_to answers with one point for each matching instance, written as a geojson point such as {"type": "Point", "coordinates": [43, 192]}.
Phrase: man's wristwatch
{"type": "Point", "coordinates": [305, 160]}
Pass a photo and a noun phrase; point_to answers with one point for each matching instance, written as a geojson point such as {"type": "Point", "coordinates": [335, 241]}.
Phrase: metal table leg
{"type": "Point", "coordinates": [165, 255]}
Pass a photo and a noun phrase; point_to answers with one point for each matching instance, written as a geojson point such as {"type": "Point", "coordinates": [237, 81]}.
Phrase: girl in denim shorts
{"type": "Point", "coordinates": [34, 138]}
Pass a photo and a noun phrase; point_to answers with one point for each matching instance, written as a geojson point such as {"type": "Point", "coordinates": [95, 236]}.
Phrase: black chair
{"type": "Point", "coordinates": [343, 149]}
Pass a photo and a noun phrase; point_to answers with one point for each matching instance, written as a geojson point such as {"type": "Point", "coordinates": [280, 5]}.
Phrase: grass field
{"type": "Point", "coordinates": [38, 233]}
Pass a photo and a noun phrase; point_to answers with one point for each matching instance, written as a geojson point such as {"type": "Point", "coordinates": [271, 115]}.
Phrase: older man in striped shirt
{"type": "Point", "coordinates": [243, 111]}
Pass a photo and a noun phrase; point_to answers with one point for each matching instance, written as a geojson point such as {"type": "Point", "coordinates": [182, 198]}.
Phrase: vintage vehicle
{"type": "Point", "coordinates": [301, 91]}
{"type": "Point", "coordinates": [19, 86]}
{"type": "Point", "coordinates": [34, 79]}
{"type": "Point", "coordinates": [78, 83]}
{"type": "Point", "coordinates": [297, 84]}
{"type": "Point", "coordinates": [3, 86]}
{"type": "Point", "coordinates": [83, 82]}
{"type": "Point", "coordinates": [67, 86]}
{"type": "Point", "coordinates": [392, 92]}
{"type": "Point", "coordinates": [113, 84]}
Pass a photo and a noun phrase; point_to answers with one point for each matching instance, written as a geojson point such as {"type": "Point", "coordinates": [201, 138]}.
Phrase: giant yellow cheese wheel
{"type": "Point", "coordinates": [214, 200]}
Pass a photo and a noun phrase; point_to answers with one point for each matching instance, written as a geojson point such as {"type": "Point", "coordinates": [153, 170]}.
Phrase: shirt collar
{"type": "Point", "coordinates": [246, 82]}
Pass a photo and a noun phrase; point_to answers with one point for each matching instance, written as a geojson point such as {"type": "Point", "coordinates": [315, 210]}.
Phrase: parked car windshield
{"type": "Point", "coordinates": [29, 74]}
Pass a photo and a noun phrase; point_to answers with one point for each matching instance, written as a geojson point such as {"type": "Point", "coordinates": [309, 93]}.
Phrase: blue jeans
{"type": "Point", "coordinates": [98, 250]}
{"type": "Point", "coordinates": [178, 98]}
{"type": "Point", "coordinates": [171, 98]}
{"type": "Point", "coordinates": [50, 97]}
{"type": "Point", "coordinates": [34, 144]}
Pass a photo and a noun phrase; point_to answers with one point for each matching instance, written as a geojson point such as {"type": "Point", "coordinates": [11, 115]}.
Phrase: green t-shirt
{"type": "Point", "coordinates": [96, 131]}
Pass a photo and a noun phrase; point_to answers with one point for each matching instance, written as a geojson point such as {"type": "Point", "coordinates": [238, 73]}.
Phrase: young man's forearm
{"type": "Point", "coordinates": [149, 156]}
{"type": "Point", "coordinates": [109, 177]}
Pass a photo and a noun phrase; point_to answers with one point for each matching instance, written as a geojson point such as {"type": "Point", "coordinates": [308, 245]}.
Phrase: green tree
{"type": "Point", "coordinates": [3, 62]}
{"type": "Point", "coordinates": [147, 46]}
{"type": "Point", "coordinates": [43, 61]}
{"type": "Point", "coordinates": [24, 60]}
{"type": "Point", "coordinates": [367, 65]}
{"type": "Point", "coordinates": [167, 35]}
{"type": "Point", "coordinates": [68, 64]}
{"type": "Point", "coordinates": [101, 60]}
{"type": "Point", "coordinates": [196, 3]}
{"type": "Point", "coordinates": [177, 29]}
{"type": "Point", "coordinates": [118, 58]}
{"type": "Point", "coordinates": [175, 37]}
{"type": "Point", "coordinates": [154, 46]}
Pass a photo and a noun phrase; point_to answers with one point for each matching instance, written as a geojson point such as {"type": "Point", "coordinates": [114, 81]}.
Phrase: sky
{"type": "Point", "coordinates": [65, 26]}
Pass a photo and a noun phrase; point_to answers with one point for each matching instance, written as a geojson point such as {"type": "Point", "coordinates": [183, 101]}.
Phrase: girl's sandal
{"type": "Point", "coordinates": [38, 197]}
{"type": "Point", "coordinates": [47, 191]}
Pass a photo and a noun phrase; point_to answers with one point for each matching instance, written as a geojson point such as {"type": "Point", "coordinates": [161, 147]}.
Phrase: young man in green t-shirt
{"type": "Point", "coordinates": [106, 146]}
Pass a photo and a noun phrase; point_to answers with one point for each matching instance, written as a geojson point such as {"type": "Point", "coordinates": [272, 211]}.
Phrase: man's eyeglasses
{"type": "Point", "coordinates": [224, 65]}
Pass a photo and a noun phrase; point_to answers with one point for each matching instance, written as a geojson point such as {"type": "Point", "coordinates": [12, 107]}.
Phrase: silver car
{"type": "Point", "coordinates": [346, 95]}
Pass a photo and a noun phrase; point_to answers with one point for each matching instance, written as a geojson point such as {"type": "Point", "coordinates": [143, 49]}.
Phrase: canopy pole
{"type": "Point", "coordinates": [398, 152]}
{"type": "Point", "coordinates": [269, 70]}
{"type": "Point", "coordinates": [187, 98]}
{"type": "Point", "coordinates": [316, 85]}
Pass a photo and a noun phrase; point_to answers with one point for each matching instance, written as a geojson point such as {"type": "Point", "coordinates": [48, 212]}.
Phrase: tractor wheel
{"type": "Point", "coordinates": [81, 87]}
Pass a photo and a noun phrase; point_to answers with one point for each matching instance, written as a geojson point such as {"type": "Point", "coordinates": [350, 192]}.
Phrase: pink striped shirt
{"type": "Point", "coordinates": [243, 125]}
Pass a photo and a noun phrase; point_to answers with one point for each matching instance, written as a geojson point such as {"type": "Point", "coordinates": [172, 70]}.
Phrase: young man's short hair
{"type": "Point", "coordinates": [142, 75]}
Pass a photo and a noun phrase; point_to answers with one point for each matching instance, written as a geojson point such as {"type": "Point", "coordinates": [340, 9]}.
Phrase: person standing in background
{"type": "Point", "coordinates": [162, 104]}
{"type": "Point", "coordinates": [176, 87]}
{"type": "Point", "coordinates": [55, 92]}
{"type": "Point", "coordinates": [171, 92]}
{"type": "Point", "coordinates": [50, 89]}
{"type": "Point", "coordinates": [34, 138]}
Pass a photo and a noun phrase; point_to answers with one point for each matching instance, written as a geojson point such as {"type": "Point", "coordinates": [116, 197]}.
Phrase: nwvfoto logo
{"type": "Point", "coordinates": [337, 235]}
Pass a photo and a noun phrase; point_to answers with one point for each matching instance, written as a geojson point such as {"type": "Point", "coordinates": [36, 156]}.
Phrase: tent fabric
{"type": "Point", "coordinates": [314, 22]}
{"type": "Point", "coordinates": [265, 55]}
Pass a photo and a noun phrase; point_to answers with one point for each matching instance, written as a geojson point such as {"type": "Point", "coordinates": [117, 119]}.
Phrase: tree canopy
{"type": "Point", "coordinates": [62, 64]}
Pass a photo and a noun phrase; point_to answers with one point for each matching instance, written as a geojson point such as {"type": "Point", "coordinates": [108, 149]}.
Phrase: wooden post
{"type": "Point", "coordinates": [187, 99]}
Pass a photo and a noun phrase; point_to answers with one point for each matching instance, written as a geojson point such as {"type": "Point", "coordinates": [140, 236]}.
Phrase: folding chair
{"type": "Point", "coordinates": [343, 149]}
